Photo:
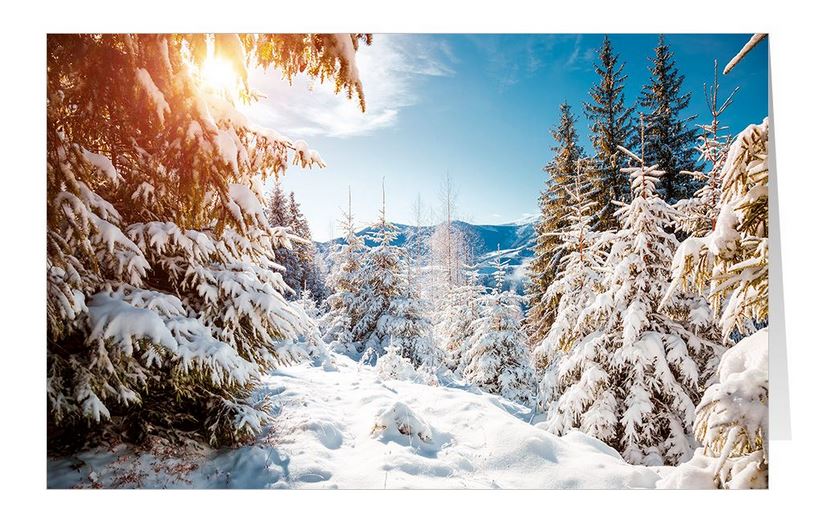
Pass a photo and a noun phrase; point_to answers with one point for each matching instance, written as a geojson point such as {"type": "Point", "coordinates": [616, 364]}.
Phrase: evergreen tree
{"type": "Point", "coordinates": [164, 300]}
{"type": "Point", "coordinates": [698, 215]}
{"type": "Point", "coordinates": [311, 339]}
{"type": "Point", "coordinates": [611, 125]}
{"type": "Point", "coordinates": [497, 360]}
{"type": "Point", "coordinates": [302, 249]}
{"type": "Point", "coordinates": [730, 265]}
{"type": "Point", "coordinates": [381, 281]}
{"type": "Point", "coordinates": [554, 204]}
{"type": "Point", "coordinates": [278, 215]}
{"type": "Point", "coordinates": [298, 260]}
{"type": "Point", "coordinates": [344, 280]}
{"type": "Point", "coordinates": [460, 315]}
{"type": "Point", "coordinates": [309, 305]}
{"type": "Point", "coordinates": [670, 144]}
{"type": "Point", "coordinates": [559, 358]}
{"type": "Point", "coordinates": [308, 274]}
{"type": "Point", "coordinates": [638, 369]}
{"type": "Point", "coordinates": [277, 209]}
{"type": "Point", "coordinates": [391, 314]}
{"type": "Point", "coordinates": [405, 328]}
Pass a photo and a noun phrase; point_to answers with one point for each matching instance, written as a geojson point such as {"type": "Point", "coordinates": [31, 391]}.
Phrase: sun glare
{"type": "Point", "coordinates": [219, 74]}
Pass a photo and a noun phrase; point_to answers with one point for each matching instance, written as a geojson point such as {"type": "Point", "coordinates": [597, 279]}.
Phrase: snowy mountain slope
{"type": "Point", "coordinates": [513, 242]}
{"type": "Point", "coordinates": [345, 428]}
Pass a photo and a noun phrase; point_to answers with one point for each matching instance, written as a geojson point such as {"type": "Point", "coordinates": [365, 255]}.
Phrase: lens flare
{"type": "Point", "coordinates": [219, 74]}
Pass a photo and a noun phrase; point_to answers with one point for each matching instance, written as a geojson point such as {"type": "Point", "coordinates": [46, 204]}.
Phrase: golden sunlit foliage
{"type": "Point", "coordinates": [163, 293]}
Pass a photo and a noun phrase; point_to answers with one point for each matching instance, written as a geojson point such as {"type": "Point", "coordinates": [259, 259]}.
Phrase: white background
{"type": "Point", "coordinates": [22, 170]}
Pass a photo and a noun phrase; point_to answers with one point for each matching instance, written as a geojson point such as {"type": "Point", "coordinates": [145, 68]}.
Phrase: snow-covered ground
{"type": "Point", "coordinates": [343, 427]}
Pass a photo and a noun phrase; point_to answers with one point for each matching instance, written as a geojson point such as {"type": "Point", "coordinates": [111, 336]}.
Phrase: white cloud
{"type": "Point", "coordinates": [390, 69]}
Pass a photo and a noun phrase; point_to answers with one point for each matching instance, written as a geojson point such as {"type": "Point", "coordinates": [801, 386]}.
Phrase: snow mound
{"type": "Point", "coordinates": [398, 421]}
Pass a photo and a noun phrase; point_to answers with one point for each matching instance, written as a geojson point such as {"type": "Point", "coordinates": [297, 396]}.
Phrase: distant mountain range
{"type": "Point", "coordinates": [512, 242]}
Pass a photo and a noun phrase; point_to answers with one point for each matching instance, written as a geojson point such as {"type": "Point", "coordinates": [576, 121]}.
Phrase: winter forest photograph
{"type": "Point", "coordinates": [406, 261]}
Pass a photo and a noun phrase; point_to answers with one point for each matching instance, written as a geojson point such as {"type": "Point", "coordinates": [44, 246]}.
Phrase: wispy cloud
{"type": "Point", "coordinates": [574, 55]}
{"type": "Point", "coordinates": [391, 69]}
{"type": "Point", "coordinates": [579, 56]}
{"type": "Point", "coordinates": [510, 58]}
{"type": "Point", "coordinates": [502, 57]}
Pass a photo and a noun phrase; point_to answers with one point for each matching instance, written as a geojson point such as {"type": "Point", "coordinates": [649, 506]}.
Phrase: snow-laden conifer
{"type": "Point", "coordinates": [732, 424]}
{"type": "Point", "coordinates": [405, 327]}
{"type": "Point", "coordinates": [554, 204]}
{"type": "Point", "coordinates": [391, 312]}
{"type": "Point", "coordinates": [163, 292]}
{"type": "Point", "coordinates": [497, 359]}
{"type": "Point", "coordinates": [611, 126]}
{"type": "Point", "coordinates": [344, 282]}
{"type": "Point", "coordinates": [459, 318]}
{"type": "Point", "coordinates": [379, 283]}
{"type": "Point", "coordinates": [697, 215]}
{"type": "Point", "coordinates": [571, 379]}
{"type": "Point", "coordinates": [299, 261]}
{"type": "Point", "coordinates": [642, 366]}
{"type": "Point", "coordinates": [729, 266]}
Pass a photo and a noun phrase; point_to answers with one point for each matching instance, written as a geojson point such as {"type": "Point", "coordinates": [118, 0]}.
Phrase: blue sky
{"type": "Point", "coordinates": [477, 107]}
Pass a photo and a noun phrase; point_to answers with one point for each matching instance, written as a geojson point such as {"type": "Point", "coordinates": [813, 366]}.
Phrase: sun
{"type": "Point", "coordinates": [219, 74]}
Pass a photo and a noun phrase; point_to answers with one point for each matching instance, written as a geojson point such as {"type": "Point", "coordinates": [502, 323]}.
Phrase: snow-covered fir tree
{"type": "Point", "coordinates": [729, 266]}
{"type": "Point", "coordinates": [670, 142]}
{"type": "Point", "coordinates": [459, 318]}
{"type": "Point", "coordinates": [405, 328]}
{"type": "Point", "coordinates": [379, 283]}
{"type": "Point", "coordinates": [568, 373]}
{"type": "Point", "coordinates": [277, 209]}
{"type": "Point", "coordinates": [308, 304]}
{"type": "Point", "coordinates": [732, 424]}
{"type": "Point", "coordinates": [611, 125]}
{"type": "Point", "coordinates": [344, 303]}
{"type": "Point", "coordinates": [697, 216]}
{"type": "Point", "coordinates": [278, 215]}
{"type": "Point", "coordinates": [311, 338]}
{"type": "Point", "coordinates": [554, 205]}
{"type": "Point", "coordinates": [391, 313]}
{"type": "Point", "coordinates": [641, 369]}
{"type": "Point", "coordinates": [165, 302]}
{"type": "Point", "coordinates": [497, 358]}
